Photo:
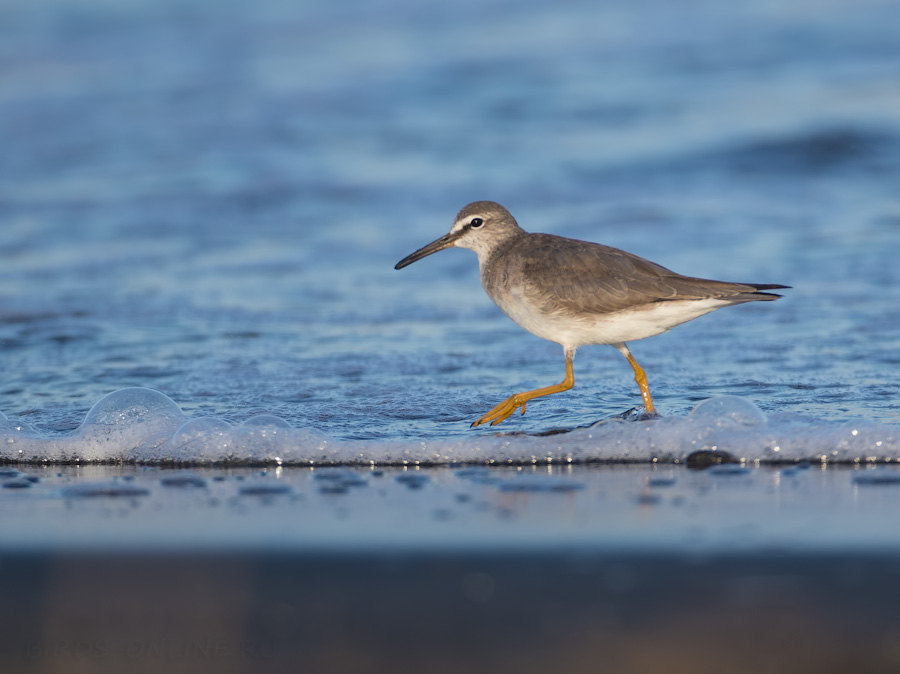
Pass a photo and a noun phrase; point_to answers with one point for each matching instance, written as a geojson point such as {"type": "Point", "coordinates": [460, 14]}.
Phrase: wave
{"type": "Point", "coordinates": [143, 426]}
{"type": "Point", "coordinates": [812, 152]}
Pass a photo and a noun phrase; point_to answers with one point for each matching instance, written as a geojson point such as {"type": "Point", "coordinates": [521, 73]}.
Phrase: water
{"type": "Point", "coordinates": [207, 200]}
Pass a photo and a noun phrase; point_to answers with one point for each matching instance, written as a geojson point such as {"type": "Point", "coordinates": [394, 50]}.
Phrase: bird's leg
{"type": "Point", "coordinates": [640, 377]}
{"type": "Point", "coordinates": [508, 406]}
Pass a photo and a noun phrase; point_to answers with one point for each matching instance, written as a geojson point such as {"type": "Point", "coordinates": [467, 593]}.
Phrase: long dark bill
{"type": "Point", "coordinates": [433, 247]}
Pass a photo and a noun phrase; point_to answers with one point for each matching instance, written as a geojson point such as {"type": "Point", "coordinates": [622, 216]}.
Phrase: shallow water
{"type": "Point", "coordinates": [209, 204]}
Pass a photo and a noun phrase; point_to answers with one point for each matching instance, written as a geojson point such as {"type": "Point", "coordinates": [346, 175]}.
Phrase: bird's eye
{"type": "Point", "coordinates": [476, 222]}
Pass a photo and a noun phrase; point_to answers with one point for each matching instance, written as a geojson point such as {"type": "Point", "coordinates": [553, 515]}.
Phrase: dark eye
{"type": "Point", "coordinates": [476, 222]}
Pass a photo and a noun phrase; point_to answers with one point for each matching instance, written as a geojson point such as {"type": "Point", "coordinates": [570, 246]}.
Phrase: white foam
{"type": "Point", "coordinates": [144, 426]}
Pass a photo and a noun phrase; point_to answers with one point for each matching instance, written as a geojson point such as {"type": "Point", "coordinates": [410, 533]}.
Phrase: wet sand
{"type": "Point", "coordinates": [585, 569]}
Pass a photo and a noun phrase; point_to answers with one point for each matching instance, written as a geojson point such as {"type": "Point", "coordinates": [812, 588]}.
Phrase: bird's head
{"type": "Point", "coordinates": [481, 226]}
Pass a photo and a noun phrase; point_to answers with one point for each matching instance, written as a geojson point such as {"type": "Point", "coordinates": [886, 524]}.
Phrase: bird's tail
{"type": "Point", "coordinates": [756, 293]}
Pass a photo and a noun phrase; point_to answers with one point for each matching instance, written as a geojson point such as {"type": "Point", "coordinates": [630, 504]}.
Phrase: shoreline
{"type": "Point", "coordinates": [571, 568]}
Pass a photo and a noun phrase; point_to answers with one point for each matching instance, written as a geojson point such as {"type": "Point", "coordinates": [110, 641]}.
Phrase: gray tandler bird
{"type": "Point", "coordinates": [576, 293]}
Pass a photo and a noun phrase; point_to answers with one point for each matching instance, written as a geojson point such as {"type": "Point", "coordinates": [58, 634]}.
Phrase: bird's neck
{"type": "Point", "coordinates": [490, 257]}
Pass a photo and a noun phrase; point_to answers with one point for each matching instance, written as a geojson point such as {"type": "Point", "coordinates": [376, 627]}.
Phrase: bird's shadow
{"type": "Point", "coordinates": [633, 414]}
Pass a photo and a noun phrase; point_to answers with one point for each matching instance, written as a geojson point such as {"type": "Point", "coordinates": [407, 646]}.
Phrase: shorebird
{"type": "Point", "coordinates": [577, 293]}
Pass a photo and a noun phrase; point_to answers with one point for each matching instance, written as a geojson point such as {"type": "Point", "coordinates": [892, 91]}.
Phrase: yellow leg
{"type": "Point", "coordinates": [508, 406]}
{"type": "Point", "coordinates": [640, 377]}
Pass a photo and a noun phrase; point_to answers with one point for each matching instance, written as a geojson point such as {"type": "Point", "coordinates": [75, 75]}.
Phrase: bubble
{"type": "Point", "coordinates": [14, 427]}
{"type": "Point", "coordinates": [266, 421]}
{"type": "Point", "coordinates": [728, 412]}
{"type": "Point", "coordinates": [202, 439]}
{"type": "Point", "coordinates": [265, 438]}
{"type": "Point", "coordinates": [144, 426]}
{"type": "Point", "coordinates": [125, 423]}
{"type": "Point", "coordinates": [130, 406]}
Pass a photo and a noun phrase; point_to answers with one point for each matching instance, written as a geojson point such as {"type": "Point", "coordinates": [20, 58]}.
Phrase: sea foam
{"type": "Point", "coordinates": [140, 425]}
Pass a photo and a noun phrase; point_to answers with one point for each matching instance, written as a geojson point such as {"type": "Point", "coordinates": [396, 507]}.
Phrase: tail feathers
{"type": "Point", "coordinates": [767, 286]}
{"type": "Point", "coordinates": [756, 295]}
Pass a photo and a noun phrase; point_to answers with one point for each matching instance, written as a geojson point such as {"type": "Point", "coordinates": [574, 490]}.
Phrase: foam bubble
{"type": "Point", "coordinates": [129, 406]}
{"type": "Point", "coordinates": [266, 421]}
{"type": "Point", "coordinates": [14, 427]}
{"type": "Point", "coordinates": [728, 412]}
{"type": "Point", "coordinates": [203, 440]}
{"type": "Point", "coordinates": [126, 425]}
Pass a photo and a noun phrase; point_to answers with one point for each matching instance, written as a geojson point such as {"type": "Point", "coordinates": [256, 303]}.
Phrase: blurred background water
{"type": "Point", "coordinates": [207, 198]}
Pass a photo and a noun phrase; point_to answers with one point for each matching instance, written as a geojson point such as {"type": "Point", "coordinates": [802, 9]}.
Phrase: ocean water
{"type": "Point", "coordinates": [201, 204]}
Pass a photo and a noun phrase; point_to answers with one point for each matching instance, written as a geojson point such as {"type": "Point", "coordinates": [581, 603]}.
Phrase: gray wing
{"type": "Point", "coordinates": [589, 277]}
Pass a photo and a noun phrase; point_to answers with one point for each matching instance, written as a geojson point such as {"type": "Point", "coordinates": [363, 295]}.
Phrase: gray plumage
{"type": "Point", "coordinates": [576, 292]}
{"type": "Point", "coordinates": [580, 276]}
{"type": "Point", "coordinates": [588, 277]}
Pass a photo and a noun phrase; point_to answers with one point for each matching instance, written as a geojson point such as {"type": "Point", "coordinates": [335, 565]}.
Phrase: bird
{"type": "Point", "coordinates": [577, 293]}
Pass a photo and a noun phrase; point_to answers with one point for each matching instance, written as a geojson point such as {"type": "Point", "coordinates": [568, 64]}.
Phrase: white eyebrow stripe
{"type": "Point", "coordinates": [458, 225]}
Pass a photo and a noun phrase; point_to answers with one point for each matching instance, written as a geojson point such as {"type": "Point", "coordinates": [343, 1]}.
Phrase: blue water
{"type": "Point", "coordinates": [207, 199]}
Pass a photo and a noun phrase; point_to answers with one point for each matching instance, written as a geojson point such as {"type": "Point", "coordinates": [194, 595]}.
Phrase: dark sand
{"type": "Point", "coordinates": [584, 569]}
